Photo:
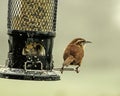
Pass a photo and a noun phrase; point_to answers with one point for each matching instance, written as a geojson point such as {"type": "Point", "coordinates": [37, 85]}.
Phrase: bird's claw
{"type": "Point", "coordinates": [61, 70]}
{"type": "Point", "coordinates": [77, 71]}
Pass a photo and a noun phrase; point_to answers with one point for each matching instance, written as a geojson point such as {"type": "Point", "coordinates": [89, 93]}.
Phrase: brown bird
{"type": "Point", "coordinates": [74, 53]}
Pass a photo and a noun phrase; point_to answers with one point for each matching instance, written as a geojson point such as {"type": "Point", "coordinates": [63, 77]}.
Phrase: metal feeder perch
{"type": "Point", "coordinates": [31, 30]}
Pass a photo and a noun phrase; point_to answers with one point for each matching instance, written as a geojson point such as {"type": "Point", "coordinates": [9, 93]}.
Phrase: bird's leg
{"type": "Point", "coordinates": [61, 70]}
{"type": "Point", "coordinates": [77, 69]}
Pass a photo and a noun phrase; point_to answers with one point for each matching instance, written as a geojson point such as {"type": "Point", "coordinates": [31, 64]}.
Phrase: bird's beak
{"type": "Point", "coordinates": [88, 42]}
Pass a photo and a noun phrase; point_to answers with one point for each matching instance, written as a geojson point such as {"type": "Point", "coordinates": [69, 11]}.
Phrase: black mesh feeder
{"type": "Point", "coordinates": [31, 30]}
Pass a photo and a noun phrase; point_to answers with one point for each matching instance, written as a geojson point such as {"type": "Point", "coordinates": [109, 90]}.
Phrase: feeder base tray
{"type": "Point", "coordinates": [21, 74]}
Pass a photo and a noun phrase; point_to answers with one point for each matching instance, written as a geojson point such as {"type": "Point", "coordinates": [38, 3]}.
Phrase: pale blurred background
{"type": "Point", "coordinates": [94, 20]}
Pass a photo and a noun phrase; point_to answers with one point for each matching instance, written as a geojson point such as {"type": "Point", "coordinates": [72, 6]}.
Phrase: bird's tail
{"type": "Point", "coordinates": [69, 60]}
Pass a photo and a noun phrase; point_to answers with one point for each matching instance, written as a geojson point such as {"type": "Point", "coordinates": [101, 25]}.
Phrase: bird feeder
{"type": "Point", "coordinates": [31, 30]}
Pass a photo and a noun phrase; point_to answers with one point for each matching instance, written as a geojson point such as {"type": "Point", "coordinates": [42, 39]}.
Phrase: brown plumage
{"type": "Point", "coordinates": [74, 53]}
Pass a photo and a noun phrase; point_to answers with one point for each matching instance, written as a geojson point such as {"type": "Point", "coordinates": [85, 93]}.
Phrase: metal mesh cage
{"type": "Point", "coordinates": [32, 15]}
